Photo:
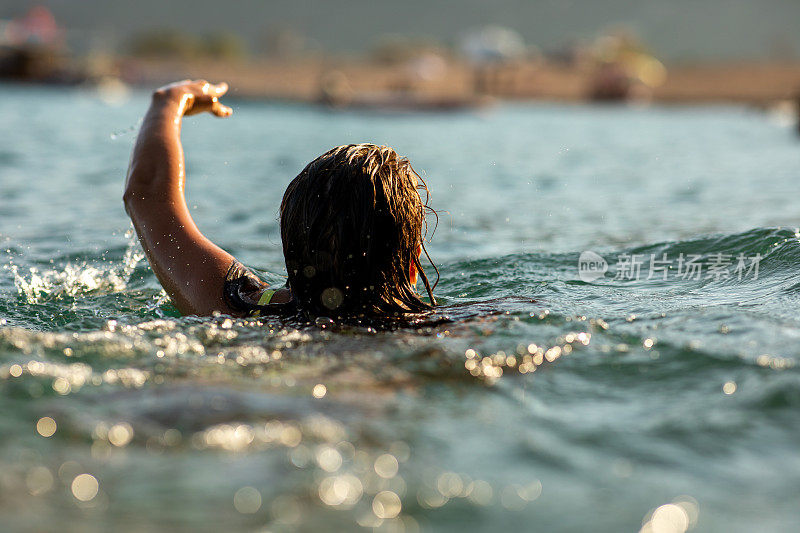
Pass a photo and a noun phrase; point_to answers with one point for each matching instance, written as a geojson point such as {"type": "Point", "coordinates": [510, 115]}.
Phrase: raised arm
{"type": "Point", "coordinates": [190, 267]}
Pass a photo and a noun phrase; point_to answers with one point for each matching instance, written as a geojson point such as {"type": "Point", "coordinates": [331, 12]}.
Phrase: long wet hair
{"type": "Point", "coordinates": [352, 224]}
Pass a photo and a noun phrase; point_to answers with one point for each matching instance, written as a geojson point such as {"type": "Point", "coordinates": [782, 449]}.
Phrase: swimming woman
{"type": "Point", "coordinates": [352, 225]}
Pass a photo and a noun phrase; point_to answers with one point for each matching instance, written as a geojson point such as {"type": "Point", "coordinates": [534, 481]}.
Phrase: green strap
{"type": "Point", "coordinates": [264, 299]}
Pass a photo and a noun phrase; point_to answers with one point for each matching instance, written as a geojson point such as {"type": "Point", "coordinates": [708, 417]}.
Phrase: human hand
{"type": "Point", "coordinates": [193, 97]}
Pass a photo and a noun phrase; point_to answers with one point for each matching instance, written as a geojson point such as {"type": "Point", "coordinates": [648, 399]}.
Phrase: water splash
{"type": "Point", "coordinates": [40, 286]}
{"type": "Point", "coordinates": [133, 255]}
{"type": "Point", "coordinates": [127, 131]}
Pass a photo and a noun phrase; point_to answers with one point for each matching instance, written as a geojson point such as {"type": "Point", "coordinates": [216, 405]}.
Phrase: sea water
{"type": "Point", "coordinates": [652, 386]}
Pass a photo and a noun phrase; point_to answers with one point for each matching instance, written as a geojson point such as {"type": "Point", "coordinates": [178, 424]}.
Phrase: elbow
{"type": "Point", "coordinates": [129, 199]}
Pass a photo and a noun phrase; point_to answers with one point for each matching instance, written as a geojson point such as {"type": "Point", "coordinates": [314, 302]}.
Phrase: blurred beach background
{"type": "Point", "coordinates": [442, 54]}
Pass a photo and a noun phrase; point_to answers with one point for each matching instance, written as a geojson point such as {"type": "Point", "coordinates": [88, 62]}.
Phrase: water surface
{"type": "Point", "coordinates": [550, 403]}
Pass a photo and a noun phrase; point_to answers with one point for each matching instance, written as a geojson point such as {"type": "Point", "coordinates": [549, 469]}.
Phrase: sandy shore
{"type": "Point", "coordinates": [308, 79]}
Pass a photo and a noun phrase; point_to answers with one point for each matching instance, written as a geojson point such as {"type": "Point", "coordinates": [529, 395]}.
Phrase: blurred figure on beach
{"type": "Point", "coordinates": [623, 68]}
{"type": "Point", "coordinates": [32, 47]}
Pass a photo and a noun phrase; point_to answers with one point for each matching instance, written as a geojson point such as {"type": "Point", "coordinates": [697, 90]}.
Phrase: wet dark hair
{"type": "Point", "coordinates": [352, 223]}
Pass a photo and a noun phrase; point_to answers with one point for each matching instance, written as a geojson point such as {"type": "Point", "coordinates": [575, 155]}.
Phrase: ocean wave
{"type": "Point", "coordinates": [74, 279]}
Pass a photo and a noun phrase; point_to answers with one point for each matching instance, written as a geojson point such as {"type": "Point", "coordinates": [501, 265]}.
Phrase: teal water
{"type": "Point", "coordinates": [549, 403]}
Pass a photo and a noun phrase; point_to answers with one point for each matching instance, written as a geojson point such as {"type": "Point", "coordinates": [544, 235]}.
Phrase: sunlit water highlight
{"type": "Point", "coordinates": [548, 403]}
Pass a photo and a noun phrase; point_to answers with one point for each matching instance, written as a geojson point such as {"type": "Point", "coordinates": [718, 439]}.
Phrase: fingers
{"type": "Point", "coordinates": [204, 96]}
{"type": "Point", "coordinates": [218, 89]}
{"type": "Point", "coordinates": [220, 110]}
{"type": "Point", "coordinates": [211, 89]}
{"type": "Point", "coordinates": [215, 91]}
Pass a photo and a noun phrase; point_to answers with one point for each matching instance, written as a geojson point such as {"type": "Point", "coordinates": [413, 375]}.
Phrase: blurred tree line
{"type": "Point", "coordinates": [172, 43]}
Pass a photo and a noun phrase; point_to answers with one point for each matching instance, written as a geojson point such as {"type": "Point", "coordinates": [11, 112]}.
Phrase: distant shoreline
{"type": "Point", "coordinates": [760, 84]}
{"type": "Point", "coordinates": [424, 83]}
